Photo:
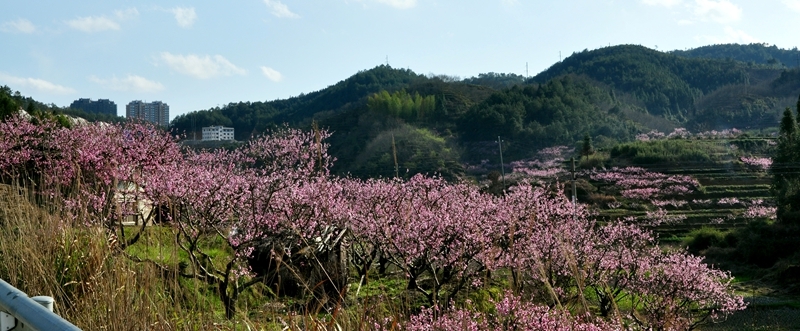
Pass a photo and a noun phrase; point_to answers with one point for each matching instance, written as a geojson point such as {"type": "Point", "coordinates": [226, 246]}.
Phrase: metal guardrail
{"type": "Point", "coordinates": [23, 313]}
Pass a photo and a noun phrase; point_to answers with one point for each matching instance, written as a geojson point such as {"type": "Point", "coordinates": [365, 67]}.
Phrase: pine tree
{"type": "Point", "coordinates": [786, 169]}
{"type": "Point", "coordinates": [587, 148]}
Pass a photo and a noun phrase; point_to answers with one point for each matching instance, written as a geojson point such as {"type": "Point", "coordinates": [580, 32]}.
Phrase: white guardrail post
{"type": "Point", "coordinates": [19, 312]}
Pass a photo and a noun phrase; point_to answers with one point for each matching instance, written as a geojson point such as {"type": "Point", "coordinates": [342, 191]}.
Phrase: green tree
{"type": "Point", "coordinates": [586, 148]}
{"type": "Point", "coordinates": [31, 108]}
{"type": "Point", "coordinates": [7, 104]}
{"type": "Point", "coordinates": [786, 170]}
{"type": "Point", "coordinates": [402, 104]}
{"type": "Point", "coordinates": [418, 150]}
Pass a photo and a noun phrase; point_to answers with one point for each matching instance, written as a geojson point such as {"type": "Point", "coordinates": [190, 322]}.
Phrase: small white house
{"type": "Point", "coordinates": [217, 133]}
{"type": "Point", "coordinates": [133, 207]}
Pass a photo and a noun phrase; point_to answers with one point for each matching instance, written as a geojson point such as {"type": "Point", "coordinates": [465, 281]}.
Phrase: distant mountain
{"type": "Point", "coordinates": [435, 123]}
{"type": "Point", "coordinates": [751, 53]}
{"type": "Point", "coordinates": [668, 85]}
{"type": "Point", "coordinates": [250, 118]}
{"type": "Point", "coordinates": [395, 122]}
{"type": "Point", "coordinates": [496, 81]}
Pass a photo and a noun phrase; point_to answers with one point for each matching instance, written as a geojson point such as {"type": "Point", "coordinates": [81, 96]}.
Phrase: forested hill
{"type": "Point", "coordinates": [250, 118]}
{"type": "Point", "coordinates": [752, 54]}
{"type": "Point", "coordinates": [436, 123]}
{"type": "Point", "coordinates": [668, 85]}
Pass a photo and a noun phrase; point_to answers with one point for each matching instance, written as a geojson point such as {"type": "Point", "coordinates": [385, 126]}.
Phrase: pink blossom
{"type": "Point", "coordinates": [760, 163]}
{"type": "Point", "coordinates": [760, 212]}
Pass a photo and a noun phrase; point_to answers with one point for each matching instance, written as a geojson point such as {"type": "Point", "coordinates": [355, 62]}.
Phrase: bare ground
{"type": "Point", "coordinates": [770, 307]}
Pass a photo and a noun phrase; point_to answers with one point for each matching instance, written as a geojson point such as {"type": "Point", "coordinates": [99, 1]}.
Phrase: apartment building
{"type": "Point", "coordinates": [156, 112]}
{"type": "Point", "coordinates": [102, 106]}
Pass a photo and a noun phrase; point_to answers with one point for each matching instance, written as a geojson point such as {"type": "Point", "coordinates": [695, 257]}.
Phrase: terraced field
{"type": "Point", "coordinates": [722, 190]}
{"type": "Point", "coordinates": [729, 195]}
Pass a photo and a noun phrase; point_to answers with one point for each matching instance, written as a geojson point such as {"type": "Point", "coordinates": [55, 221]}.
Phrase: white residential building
{"type": "Point", "coordinates": [217, 133]}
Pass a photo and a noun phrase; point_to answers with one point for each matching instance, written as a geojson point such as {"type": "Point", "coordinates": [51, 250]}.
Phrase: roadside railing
{"type": "Point", "coordinates": [19, 312]}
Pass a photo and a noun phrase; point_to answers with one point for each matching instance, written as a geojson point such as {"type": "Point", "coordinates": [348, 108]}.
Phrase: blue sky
{"type": "Point", "coordinates": [200, 54]}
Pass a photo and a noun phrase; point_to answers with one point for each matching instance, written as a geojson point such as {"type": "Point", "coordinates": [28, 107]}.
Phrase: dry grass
{"type": "Point", "coordinates": [93, 287]}
{"type": "Point", "coordinates": [96, 287]}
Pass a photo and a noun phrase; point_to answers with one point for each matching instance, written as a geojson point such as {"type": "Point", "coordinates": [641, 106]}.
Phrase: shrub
{"type": "Point", "coordinates": [596, 160]}
{"type": "Point", "coordinates": [660, 152]}
{"type": "Point", "coordinates": [703, 238]}
{"type": "Point", "coordinates": [763, 244]}
{"type": "Point", "coordinates": [602, 199]}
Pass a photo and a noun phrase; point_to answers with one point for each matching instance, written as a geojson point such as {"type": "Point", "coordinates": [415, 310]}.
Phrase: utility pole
{"type": "Point", "coordinates": [394, 152]}
{"type": "Point", "coordinates": [318, 141]}
{"type": "Point", "coordinates": [526, 70]}
{"type": "Point", "coordinates": [574, 189]}
{"type": "Point", "coordinates": [502, 166]}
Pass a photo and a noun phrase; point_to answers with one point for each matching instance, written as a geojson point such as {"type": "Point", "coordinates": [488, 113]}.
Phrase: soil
{"type": "Point", "coordinates": [771, 306]}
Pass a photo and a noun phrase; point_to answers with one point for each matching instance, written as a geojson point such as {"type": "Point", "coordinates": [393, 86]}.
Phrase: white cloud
{"type": "Point", "coordinates": [93, 24]}
{"type": "Point", "coordinates": [731, 35]}
{"type": "Point", "coordinates": [399, 4]}
{"type": "Point", "coordinates": [663, 3]}
{"type": "Point", "coordinates": [792, 4]}
{"type": "Point", "coordinates": [202, 67]}
{"type": "Point", "coordinates": [20, 25]}
{"type": "Point", "coordinates": [271, 74]}
{"type": "Point", "coordinates": [35, 83]}
{"type": "Point", "coordinates": [740, 36]}
{"type": "Point", "coordinates": [722, 11]}
{"type": "Point", "coordinates": [102, 23]}
{"type": "Point", "coordinates": [184, 16]}
{"type": "Point", "coordinates": [279, 9]}
{"type": "Point", "coordinates": [127, 14]}
{"type": "Point", "coordinates": [131, 83]}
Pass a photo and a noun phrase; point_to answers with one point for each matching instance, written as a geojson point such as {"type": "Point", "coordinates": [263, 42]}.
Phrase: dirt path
{"type": "Point", "coordinates": [769, 308]}
{"type": "Point", "coordinates": [760, 318]}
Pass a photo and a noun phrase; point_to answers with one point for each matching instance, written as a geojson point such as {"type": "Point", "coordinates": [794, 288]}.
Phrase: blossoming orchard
{"type": "Point", "coordinates": [285, 219]}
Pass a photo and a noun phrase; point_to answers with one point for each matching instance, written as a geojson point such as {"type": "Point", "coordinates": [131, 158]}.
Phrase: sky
{"type": "Point", "coordinates": [196, 55]}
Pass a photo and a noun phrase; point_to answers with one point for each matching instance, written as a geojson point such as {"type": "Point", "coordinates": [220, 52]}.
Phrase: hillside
{"type": "Point", "coordinates": [250, 118]}
{"type": "Point", "coordinates": [667, 85]}
{"type": "Point", "coordinates": [752, 53]}
{"type": "Point", "coordinates": [439, 122]}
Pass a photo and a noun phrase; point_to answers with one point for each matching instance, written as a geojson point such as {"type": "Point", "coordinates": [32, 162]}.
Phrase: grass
{"type": "Point", "coordinates": [93, 287]}
{"type": "Point", "coordinates": [98, 288]}
{"type": "Point", "coordinates": [158, 245]}
{"type": "Point", "coordinates": [736, 188]}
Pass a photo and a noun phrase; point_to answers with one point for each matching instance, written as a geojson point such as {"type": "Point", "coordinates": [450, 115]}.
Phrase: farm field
{"type": "Point", "coordinates": [731, 195]}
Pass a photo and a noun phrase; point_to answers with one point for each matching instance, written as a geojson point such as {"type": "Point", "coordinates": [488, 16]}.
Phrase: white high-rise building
{"type": "Point", "coordinates": [155, 112]}
{"type": "Point", "coordinates": [217, 133]}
